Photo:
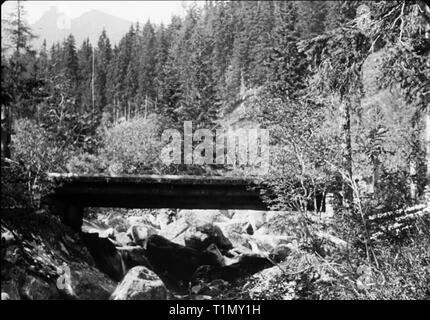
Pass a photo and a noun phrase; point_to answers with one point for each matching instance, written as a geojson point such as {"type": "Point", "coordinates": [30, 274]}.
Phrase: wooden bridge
{"type": "Point", "coordinates": [72, 193]}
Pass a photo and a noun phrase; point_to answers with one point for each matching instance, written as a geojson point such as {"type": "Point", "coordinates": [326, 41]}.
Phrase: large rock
{"type": "Point", "coordinates": [235, 232]}
{"type": "Point", "coordinates": [213, 288]}
{"type": "Point", "coordinates": [202, 217]}
{"type": "Point", "coordinates": [201, 237]}
{"type": "Point", "coordinates": [267, 243]}
{"type": "Point", "coordinates": [5, 296]}
{"type": "Point", "coordinates": [175, 231]}
{"type": "Point", "coordinates": [97, 227]}
{"type": "Point", "coordinates": [37, 289]}
{"type": "Point", "coordinates": [133, 256]}
{"type": "Point", "coordinates": [139, 234]}
{"type": "Point", "coordinates": [105, 255]}
{"type": "Point", "coordinates": [175, 264]}
{"type": "Point", "coordinates": [247, 265]}
{"type": "Point", "coordinates": [48, 260]}
{"type": "Point", "coordinates": [255, 218]}
{"type": "Point", "coordinates": [140, 283]}
{"type": "Point", "coordinates": [121, 239]}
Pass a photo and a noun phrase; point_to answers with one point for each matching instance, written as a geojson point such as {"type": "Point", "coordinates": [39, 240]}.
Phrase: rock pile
{"type": "Point", "coordinates": [196, 251]}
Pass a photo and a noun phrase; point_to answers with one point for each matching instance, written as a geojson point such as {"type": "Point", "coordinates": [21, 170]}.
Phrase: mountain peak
{"type": "Point", "coordinates": [55, 26]}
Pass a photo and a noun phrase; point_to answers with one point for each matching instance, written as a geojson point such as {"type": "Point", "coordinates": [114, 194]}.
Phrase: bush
{"type": "Point", "coordinates": [132, 147]}
{"type": "Point", "coordinates": [403, 271]}
{"type": "Point", "coordinates": [86, 164]}
{"type": "Point", "coordinates": [34, 153]}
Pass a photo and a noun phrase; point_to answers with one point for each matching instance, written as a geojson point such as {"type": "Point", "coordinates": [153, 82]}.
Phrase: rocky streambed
{"type": "Point", "coordinates": [187, 254]}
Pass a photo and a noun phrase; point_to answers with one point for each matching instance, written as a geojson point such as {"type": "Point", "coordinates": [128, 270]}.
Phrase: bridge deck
{"type": "Point", "coordinates": [153, 191]}
{"type": "Point", "coordinates": [143, 179]}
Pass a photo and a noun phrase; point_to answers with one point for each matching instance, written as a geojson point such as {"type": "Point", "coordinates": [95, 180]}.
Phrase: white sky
{"type": "Point", "coordinates": [156, 11]}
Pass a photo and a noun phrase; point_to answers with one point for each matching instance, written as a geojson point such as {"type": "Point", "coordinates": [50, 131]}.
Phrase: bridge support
{"type": "Point", "coordinates": [71, 214]}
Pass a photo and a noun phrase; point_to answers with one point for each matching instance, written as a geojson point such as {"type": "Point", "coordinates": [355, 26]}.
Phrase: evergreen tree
{"type": "Point", "coordinates": [43, 62]}
{"type": "Point", "coordinates": [311, 18]}
{"type": "Point", "coordinates": [147, 63]}
{"type": "Point", "coordinates": [70, 61]}
{"type": "Point", "coordinates": [287, 69]}
{"type": "Point", "coordinates": [85, 59]}
{"type": "Point", "coordinates": [103, 61]}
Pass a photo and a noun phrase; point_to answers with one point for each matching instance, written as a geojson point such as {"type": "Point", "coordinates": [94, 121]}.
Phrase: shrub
{"type": "Point", "coordinates": [132, 147]}
{"type": "Point", "coordinates": [36, 153]}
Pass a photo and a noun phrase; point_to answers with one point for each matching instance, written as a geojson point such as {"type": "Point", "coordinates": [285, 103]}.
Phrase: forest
{"type": "Point", "coordinates": [342, 86]}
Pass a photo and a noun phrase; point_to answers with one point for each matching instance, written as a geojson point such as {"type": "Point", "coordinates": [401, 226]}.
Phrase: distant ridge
{"type": "Point", "coordinates": [55, 26]}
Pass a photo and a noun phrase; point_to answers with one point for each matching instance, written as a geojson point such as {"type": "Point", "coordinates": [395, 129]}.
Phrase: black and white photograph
{"type": "Point", "coordinates": [215, 153]}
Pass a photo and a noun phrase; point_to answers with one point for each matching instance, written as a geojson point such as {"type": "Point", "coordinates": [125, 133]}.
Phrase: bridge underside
{"type": "Point", "coordinates": [75, 192]}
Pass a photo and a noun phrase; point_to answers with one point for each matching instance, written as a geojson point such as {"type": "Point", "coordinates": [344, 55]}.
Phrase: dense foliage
{"type": "Point", "coordinates": [345, 98]}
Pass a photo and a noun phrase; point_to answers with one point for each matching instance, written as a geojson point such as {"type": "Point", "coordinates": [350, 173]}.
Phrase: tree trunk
{"type": "Point", "coordinates": [426, 11]}
{"type": "Point", "coordinates": [92, 84]}
{"type": "Point", "coordinates": [146, 106]}
{"type": "Point", "coordinates": [413, 185]}
{"type": "Point", "coordinates": [5, 131]}
{"type": "Point", "coordinates": [345, 108]}
{"type": "Point", "coordinates": [427, 141]}
{"type": "Point", "coordinates": [376, 163]}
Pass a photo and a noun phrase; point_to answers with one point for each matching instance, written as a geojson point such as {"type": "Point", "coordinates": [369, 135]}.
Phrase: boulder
{"type": "Point", "coordinates": [37, 289]}
{"type": "Point", "coordinates": [49, 261]}
{"type": "Point", "coordinates": [5, 296]}
{"type": "Point", "coordinates": [247, 265]}
{"type": "Point", "coordinates": [10, 290]}
{"type": "Point", "coordinates": [175, 231]}
{"type": "Point", "coordinates": [175, 264]}
{"type": "Point", "coordinates": [255, 218]}
{"type": "Point", "coordinates": [97, 227]}
{"type": "Point", "coordinates": [7, 237]}
{"type": "Point", "coordinates": [213, 249]}
{"type": "Point", "coordinates": [105, 255]}
{"type": "Point", "coordinates": [213, 288]}
{"type": "Point", "coordinates": [140, 283]}
{"type": "Point", "coordinates": [87, 284]}
{"type": "Point", "coordinates": [202, 217]}
{"type": "Point", "coordinates": [139, 234]}
{"type": "Point", "coordinates": [201, 237]}
{"type": "Point", "coordinates": [234, 231]}
{"type": "Point", "coordinates": [267, 243]}
{"type": "Point", "coordinates": [133, 256]}
{"type": "Point", "coordinates": [122, 239]}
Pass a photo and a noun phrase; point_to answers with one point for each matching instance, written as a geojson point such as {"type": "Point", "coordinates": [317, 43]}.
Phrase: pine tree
{"type": "Point", "coordinates": [22, 63]}
{"type": "Point", "coordinates": [103, 61]}
{"type": "Point", "coordinates": [147, 64]}
{"type": "Point", "coordinates": [311, 18]}
{"type": "Point", "coordinates": [18, 30]}
{"type": "Point", "coordinates": [42, 62]}
{"type": "Point", "coordinates": [339, 12]}
{"type": "Point", "coordinates": [84, 55]}
{"type": "Point", "coordinates": [287, 67]}
{"type": "Point", "coordinates": [70, 61]}
{"type": "Point", "coordinates": [161, 55]}
{"type": "Point", "coordinates": [259, 30]}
